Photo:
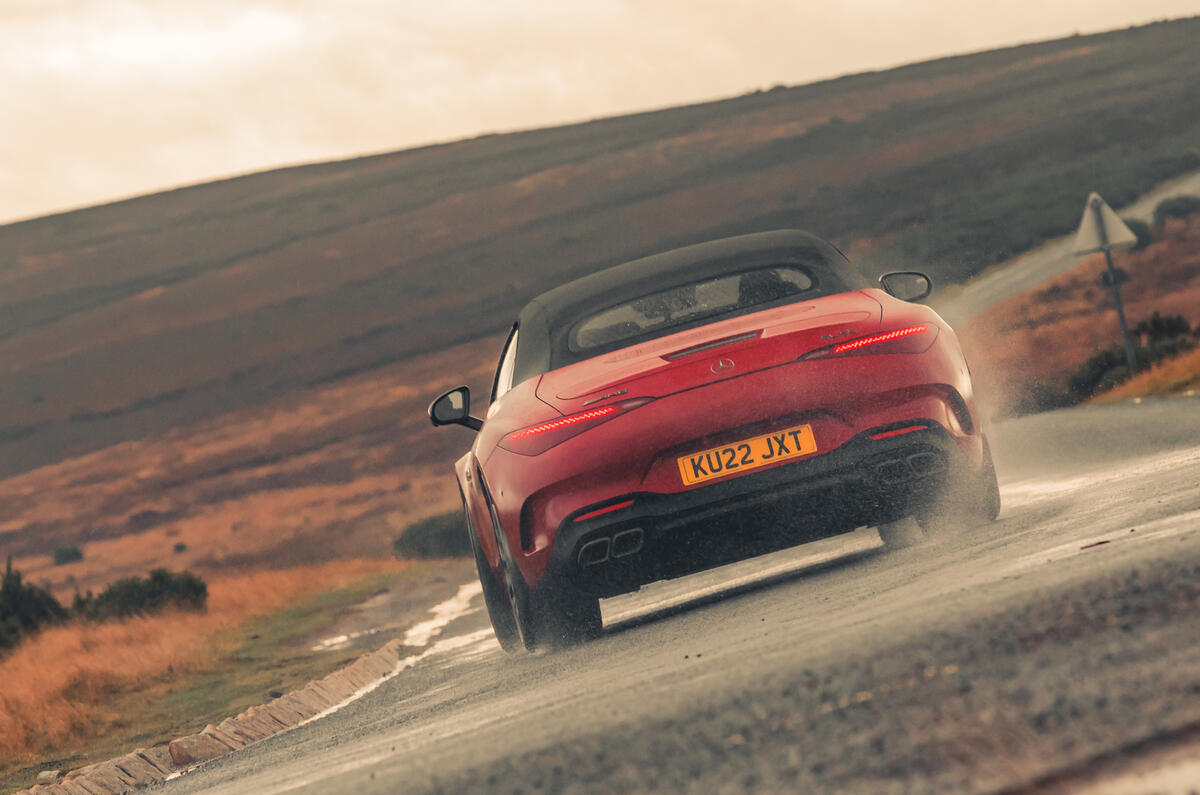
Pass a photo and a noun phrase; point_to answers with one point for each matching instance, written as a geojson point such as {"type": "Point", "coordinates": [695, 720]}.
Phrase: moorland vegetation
{"type": "Point", "coordinates": [25, 608]}
{"type": "Point", "coordinates": [1059, 344]}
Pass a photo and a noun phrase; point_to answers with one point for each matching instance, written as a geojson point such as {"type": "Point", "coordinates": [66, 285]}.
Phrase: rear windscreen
{"type": "Point", "coordinates": [687, 305]}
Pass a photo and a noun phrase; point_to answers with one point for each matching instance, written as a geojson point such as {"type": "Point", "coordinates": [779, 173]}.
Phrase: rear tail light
{"type": "Point", "coordinates": [601, 511]}
{"type": "Point", "coordinates": [910, 339]}
{"type": "Point", "coordinates": [875, 437]}
{"type": "Point", "coordinates": [537, 439]}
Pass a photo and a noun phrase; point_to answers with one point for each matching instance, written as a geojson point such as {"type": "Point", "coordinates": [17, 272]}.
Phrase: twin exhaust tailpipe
{"type": "Point", "coordinates": [917, 465]}
{"type": "Point", "coordinates": [622, 544]}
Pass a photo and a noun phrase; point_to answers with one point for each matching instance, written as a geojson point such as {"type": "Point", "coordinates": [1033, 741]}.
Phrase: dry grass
{"type": "Point", "coordinates": [1171, 377]}
{"type": "Point", "coordinates": [331, 472]}
{"type": "Point", "coordinates": [1037, 338]}
{"type": "Point", "coordinates": [56, 683]}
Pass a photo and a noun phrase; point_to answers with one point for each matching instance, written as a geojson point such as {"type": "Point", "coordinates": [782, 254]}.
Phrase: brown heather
{"type": "Point", "coordinates": [58, 682]}
{"type": "Point", "coordinates": [1040, 336]}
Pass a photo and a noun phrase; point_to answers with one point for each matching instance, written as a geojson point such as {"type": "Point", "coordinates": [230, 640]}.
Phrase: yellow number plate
{"type": "Point", "coordinates": [748, 454]}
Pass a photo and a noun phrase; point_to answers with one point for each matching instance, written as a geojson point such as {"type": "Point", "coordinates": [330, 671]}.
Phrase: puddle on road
{"type": "Point", "coordinates": [453, 608]}
{"type": "Point", "coordinates": [419, 635]}
{"type": "Point", "coordinates": [342, 641]}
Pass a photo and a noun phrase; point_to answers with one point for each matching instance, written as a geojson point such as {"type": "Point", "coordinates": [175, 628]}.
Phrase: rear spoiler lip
{"type": "Point", "coordinates": [707, 346]}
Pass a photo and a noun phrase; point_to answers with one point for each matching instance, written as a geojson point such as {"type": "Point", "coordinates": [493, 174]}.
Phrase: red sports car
{"type": "Point", "coordinates": [702, 406]}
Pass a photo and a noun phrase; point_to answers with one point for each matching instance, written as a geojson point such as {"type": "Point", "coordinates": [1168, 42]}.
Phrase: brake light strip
{"type": "Point", "coordinates": [875, 437]}
{"type": "Point", "coordinates": [601, 511]}
{"type": "Point", "coordinates": [564, 422]}
{"type": "Point", "coordinates": [877, 338]}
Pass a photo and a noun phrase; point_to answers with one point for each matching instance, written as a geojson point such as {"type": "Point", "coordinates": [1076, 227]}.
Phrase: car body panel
{"type": "Point", "coordinates": [636, 452]}
{"type": "Point", "coordinates": [717, 383]}
{"type": "Point", "coordinates": [679, 361]}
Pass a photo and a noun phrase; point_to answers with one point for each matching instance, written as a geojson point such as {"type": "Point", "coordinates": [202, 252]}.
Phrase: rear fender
{"type": "Point", "coordinates": [470, 483]}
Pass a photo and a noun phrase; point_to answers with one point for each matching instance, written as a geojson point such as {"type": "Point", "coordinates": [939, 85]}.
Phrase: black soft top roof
{"type": "Point", "coordinates": [546, 320]}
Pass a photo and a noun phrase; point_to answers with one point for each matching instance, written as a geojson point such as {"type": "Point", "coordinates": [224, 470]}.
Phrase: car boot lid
{"type": "Point", "coordinates": [714, 352]}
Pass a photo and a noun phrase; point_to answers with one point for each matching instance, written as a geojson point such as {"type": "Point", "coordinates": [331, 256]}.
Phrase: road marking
{"type": "Point", "coordinates": [457, 606]}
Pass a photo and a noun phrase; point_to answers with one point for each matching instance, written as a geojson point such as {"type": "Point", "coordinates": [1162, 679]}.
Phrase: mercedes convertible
{"type": "Point", "coordinates": [706, 405]}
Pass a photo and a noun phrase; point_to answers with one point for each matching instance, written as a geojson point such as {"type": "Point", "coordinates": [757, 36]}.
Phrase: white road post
{"type": "Point", "coordinates": [1102, 230]}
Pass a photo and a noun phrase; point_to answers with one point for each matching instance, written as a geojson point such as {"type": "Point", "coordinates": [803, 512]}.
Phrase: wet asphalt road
{"type": "Point", "coordinates": [984, 660]}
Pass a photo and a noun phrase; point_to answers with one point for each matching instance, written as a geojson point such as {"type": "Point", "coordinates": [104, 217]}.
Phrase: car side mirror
{"type": "Point", "coordinates": [454, 408]}
{"type": "Point", "coordinates": [907, 285]}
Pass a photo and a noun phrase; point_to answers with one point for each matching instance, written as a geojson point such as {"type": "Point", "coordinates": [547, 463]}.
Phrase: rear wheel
{"type": "Point", "coordinates": [548, 617]}
{"type": "Point", "coordinates": [987, 496]}
{"type": "Point", "coordinates": [969, 499]}
{"type": "Point", "coordinates": [494, 597]}
{"type": "Point", "coordinates": [902, 533]}
{"type": "Point", "coordinates": [551, 617]}
{"type": "Point", "coordinates": [566, 617]}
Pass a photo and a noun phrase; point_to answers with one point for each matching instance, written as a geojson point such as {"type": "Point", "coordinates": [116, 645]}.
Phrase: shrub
{"type": "Point", "coordinates": [24, 608]}
{"type": "Point", "coordinates": [137, 595]}
{"type": "Point", "coordinates": [1156, 339]}
{"type": "Point", "coordinates": [442, 536]}
{"type": "Point", "coordinates": [1121, 275]}
{"type": "Point", "coordinates": [1176, 207]}
{"type": "Point", "coordinates": [67, 554]}
{"type": "Point", "coordinates": [1084, 382]}
{"type": "Point", "coordinates": [180, 546]}
{"type": "Point", "coordinates": [1159, 328]}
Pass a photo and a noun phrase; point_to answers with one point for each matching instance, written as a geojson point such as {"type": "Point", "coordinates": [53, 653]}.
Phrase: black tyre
{"type": "Point", "coordinates": [902, 533]}
{"type": "Point", "coordinates": [520, 605]}
{"type": "Point", "coordinates": [565, 617]}
{"type": "Point", "coordinates": [550, 617]}
{"type": "Point", "coordinates": [969, 498]}
{"type": "Point", "coordinates": [987, 488]}
{"type": "Point", "coordinates": [495, 599]}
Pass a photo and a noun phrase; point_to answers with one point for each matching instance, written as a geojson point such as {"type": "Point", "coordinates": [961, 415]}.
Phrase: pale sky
{"type": "Point", "coordinates": [104, 99]}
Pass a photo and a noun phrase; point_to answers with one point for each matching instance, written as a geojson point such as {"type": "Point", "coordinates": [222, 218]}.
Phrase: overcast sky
{"type": "Point", "coordinates": [103, 99]}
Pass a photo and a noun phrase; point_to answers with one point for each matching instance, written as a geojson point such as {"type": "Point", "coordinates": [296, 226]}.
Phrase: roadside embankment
{"type": "Point", "coordinates": [77, 693]}
{"type": "Point", "coordinates": [1029, 352]}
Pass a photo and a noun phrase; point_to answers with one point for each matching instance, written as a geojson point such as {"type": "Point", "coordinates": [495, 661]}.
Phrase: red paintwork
{"type": "Point", "coordinates": [695, 408]}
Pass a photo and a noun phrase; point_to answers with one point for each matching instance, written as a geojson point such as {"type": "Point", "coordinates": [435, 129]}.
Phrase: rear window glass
{"type": "Point", "coordinates": [659, 313]}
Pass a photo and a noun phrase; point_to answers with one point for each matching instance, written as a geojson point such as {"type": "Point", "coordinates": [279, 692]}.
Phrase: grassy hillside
{"type": "Point", "coordinates": [240, 354]}
{"type": "Point", "coordinates": [1025, 349]}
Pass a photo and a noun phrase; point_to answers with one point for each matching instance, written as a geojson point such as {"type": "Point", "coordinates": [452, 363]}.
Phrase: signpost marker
{"type": "Point", "coordinates": [1101, 229]}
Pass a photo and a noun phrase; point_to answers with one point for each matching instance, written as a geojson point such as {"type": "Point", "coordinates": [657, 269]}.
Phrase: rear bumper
{"type": "Point", "coordinates": [660, 536]}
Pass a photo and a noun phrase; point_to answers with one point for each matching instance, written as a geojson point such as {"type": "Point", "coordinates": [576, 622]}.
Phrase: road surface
{"type": "Point", "coordinates": [1034, 650]}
